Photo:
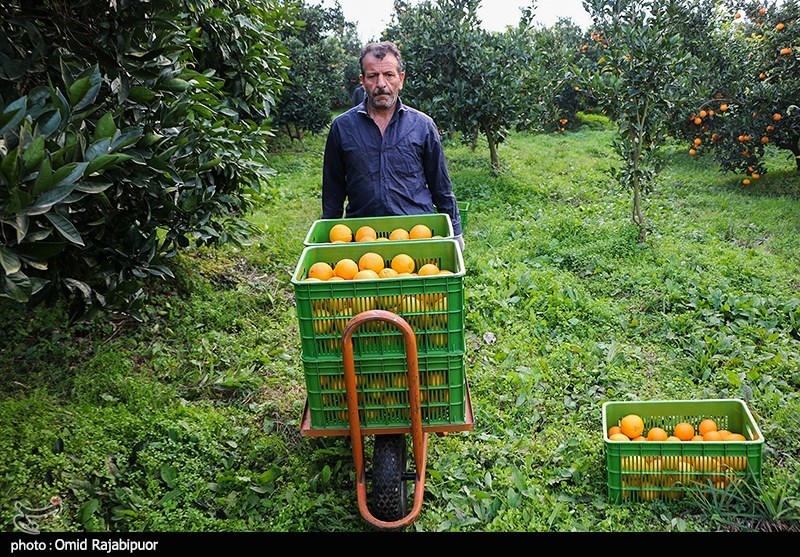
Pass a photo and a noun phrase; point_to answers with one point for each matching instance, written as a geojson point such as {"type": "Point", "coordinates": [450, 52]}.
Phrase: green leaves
{"type": "Point", "coordinates": [65, 228]}
{"type": "Point", "coordinates": [84, 90]}
{"type": "Point", "coordinates": [9, 261]}
{"type": "Point", "coordinates": [136, 133]}
{"type": "Point", "coordinates": [12, 114]}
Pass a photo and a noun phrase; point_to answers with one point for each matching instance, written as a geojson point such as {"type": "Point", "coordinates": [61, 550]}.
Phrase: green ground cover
{"type": "Point", "coordinates": [190, 421]}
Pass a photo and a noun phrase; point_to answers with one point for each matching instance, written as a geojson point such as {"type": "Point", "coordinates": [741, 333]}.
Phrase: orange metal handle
{"type": "Point", "coordinates": [419, 438]}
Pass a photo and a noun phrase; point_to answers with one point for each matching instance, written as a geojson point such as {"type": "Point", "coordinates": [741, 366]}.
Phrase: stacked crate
{"type": "Point", "coordinates": [433, 306]}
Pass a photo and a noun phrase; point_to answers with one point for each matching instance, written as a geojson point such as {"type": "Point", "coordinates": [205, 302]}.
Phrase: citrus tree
{"type": "Point", "coordinates": [469, 80]}
{"type": "Point", "coordinates": [638, 56]}
{"type": "Point", "coordinates": [140, 131]}
{"type": "Point", "coordinates": [749, 98]}
{"type": "Point", "coordinates": [551, 85]}
{"type": "Point", "coordinates": [324, 52]}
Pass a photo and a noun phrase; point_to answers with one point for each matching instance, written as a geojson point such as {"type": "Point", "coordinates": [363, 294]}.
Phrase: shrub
{"type": "Point", "coordinates": [128, 138]}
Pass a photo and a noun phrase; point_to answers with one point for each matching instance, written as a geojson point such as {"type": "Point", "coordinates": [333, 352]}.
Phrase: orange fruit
{"type": "Point", "coordinates": [419, 232]}
{"type": "Point", "coordinates": [672, 439]}
{"type": "Point", "coordinates": [776, 117]}
{"type": "Point", "coordinates": [640, 438]}
{"type": "Point", "coordinates": [746, 181]}
{"type": "Point", "coordinates": [706, 425]}
{"type": "Point", "coordinates": [736, 437]}
{"type": "Point", "coordinates": [712, 435]}
{"type": "Point", "coordinates": [445, 272]}
{"type": "Point", "coordinates": [696, 438]}
{"type": "Point", "coordinates": [656, 434]}
{"type": "Point", "coordinates": [724, 433]}
{"type": "Point", "coordinates": [614, 429]}
{"type": "Point", "coordinates": [779, 27]}
{"type": "Point", "coordinates": [619, 437]}
{"type": "Point", "coordinates": [428, 269]}
{"type": "Point", "coordinates": [698, 121]}
{"type": "Point", "coordinates": [403, 263]}
{"type": "Point", "coordinates": [692, 152]}
{"type": "Point", "coordinates": [320, 270]}
{"type": "Point", "coordinates": [684, 431]}
{"type": "Point", "coordinates": [723, 107]}
{"type": "Point", "coordinates": [340, 233]}
{"type": "Point", "coordinates": [365, 232]}
{"type": "Point", "coordinates": [632, 425]}
{"type": "Point", "coordinates": [785, 51]}
{"type": "Point", "coordinates": [366, 274]}
{"type": "Point", "coordinates": [387, 272]}
{"type": "Point", "coordinates": [371, 261]}
{"type": "Point", "coordinates": [399, 234]}
{"type": "Point", "coordinates": [345, 268]}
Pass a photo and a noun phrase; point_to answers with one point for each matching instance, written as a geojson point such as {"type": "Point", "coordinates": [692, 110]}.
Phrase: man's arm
{"type": "Point", "coordinates": [333, 177]}
{"type": "Point", "coordinates": [438, 178]}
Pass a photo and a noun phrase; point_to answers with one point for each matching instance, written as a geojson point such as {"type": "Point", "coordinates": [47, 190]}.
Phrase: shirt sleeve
{"type": "Point", "coordinates": [333, 176]}
{"type": "Point", "coordinates": [438, 178]}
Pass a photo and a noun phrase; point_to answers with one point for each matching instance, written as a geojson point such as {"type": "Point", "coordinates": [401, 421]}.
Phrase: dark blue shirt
{"type": "Point", "coordinates": [403, 172]}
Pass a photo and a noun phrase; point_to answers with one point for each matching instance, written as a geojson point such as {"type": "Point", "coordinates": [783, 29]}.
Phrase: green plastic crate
{"type": "Point", "coordinates": [432, 305]}
{"type": "Point", "coordinates": [463, 210]}
{"type": "Point", "coordinates": [647, 470]}
{"type": "Point", "coordinates": [439, 224]}
{"type": "Point", "coordinates": [382, 385]}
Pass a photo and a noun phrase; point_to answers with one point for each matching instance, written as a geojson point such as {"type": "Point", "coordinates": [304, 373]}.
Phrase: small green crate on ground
{"type": "Point", "coordinates": [439, 224]}
{"type": "Point", "coordinates": [647, 470]}
{"type": "Point", "coordinates": [433, 305]}
{"type": "Point", "coordinates": [382, 385]}
{"type": "Point", "coordinates": [463, 210]}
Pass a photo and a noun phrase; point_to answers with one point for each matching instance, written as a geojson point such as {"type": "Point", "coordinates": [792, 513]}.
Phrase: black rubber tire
{"type": "Point", "coordinates": [389, 490]}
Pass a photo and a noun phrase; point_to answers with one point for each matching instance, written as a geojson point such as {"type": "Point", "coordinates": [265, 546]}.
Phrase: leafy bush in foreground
{"type": "Point", "coordinates": [122, 141]}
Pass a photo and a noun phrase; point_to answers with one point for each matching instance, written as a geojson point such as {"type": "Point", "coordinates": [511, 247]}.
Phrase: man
{"type": "Point", "coordinates": [359, 95]}
{"type": "Point", "coordinates": [383, 157]}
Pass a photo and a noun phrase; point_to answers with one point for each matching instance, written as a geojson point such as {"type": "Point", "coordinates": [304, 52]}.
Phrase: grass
{"type": "Point", "coordinates": [190, 421]}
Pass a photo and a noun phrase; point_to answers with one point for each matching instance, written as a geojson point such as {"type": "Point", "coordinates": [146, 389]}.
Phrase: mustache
{"type": "Point", "coordinates": [381, 92]}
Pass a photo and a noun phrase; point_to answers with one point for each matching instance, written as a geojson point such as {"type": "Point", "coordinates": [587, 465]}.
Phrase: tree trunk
{"type": "Point", "coordinates": [637, 215]}
{"type": "Point", "coordinates": [474, 143]}
{"type": "Point", "coordinates": [492, 148]}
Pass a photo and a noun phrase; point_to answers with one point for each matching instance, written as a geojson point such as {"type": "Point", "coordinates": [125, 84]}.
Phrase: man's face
{"type": "Point", "coordinates": [381, 80]}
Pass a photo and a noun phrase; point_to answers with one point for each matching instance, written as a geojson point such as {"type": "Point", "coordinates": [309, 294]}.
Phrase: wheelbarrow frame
{"type": "Point", "coordinates": [356, 433]}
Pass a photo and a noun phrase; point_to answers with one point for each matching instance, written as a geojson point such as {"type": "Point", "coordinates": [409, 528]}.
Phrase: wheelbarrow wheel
{"type": "Point", "coordinates": [389, 489]}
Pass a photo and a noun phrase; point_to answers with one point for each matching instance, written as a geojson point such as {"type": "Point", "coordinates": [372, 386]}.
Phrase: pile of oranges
{"type": "Point", "coordinates": [667, 474]}
{"type": "Point", "coordinates": [631, 428]}
{"type": "Point", "coordinates": [342, 234]}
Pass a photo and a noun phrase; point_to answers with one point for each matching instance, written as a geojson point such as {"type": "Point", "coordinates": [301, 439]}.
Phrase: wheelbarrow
{"type": "Point", "coordinates": [388, 508]}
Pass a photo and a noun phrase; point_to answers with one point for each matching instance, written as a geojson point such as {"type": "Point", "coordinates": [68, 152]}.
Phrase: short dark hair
{"type": "Point", "coordinates": [379, 50]}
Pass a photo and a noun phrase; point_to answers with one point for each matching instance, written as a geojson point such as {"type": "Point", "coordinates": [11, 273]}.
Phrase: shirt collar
{"type": "Point", "coordinates": [400, 107]}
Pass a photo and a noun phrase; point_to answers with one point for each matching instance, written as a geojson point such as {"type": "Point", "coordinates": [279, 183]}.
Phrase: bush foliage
{"type": "Point", "coordinates": [136, 133]}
